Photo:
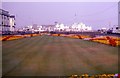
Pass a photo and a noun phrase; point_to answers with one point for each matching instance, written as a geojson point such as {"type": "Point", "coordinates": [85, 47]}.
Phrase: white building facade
{"type": "Point", "coordinates": [79, 27]}
{"type": "Point", "coordinates": [7, 22]}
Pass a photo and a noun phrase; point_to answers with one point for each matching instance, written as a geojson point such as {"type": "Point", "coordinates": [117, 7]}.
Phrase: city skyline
{"type": "Point", "coordinates": [94, 14]}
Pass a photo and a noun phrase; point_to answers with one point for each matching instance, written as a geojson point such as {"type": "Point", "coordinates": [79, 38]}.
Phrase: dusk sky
{"type": "Point", "coordinates": [94, 14]}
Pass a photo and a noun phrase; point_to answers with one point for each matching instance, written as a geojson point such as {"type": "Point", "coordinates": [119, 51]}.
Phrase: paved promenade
{"type": "Point", "coordinates": [57, 56]}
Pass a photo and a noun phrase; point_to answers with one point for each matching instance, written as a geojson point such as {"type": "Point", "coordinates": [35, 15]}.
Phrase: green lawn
{"type": "Point", "coordinates": [57, 56]}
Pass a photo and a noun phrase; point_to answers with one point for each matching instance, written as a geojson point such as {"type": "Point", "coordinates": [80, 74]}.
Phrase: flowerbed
{"type": "Point", "coordinates": [109, 40]}
{"type": "Point", "coordinates": [13, 37]}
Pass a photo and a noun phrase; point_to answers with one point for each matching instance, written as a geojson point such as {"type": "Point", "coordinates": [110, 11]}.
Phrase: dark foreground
{"type": "Point", "coordinates": [57, 56]}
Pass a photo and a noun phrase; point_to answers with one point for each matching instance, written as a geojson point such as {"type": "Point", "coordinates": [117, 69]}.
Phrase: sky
{"type": "Point", "coordinates": [94, 14]}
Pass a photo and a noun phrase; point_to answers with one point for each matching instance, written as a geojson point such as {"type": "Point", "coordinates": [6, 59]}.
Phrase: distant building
{"type": "Point", "coordinates": [74, 27]}
{"type": "Point", "coordinates": [7, 22]}
{"type": "Point", "coordinates": [35, 26]}
{"type": "Point", "coordinates": [48, 27]}
{"type": "Point", "coordinates": [81, 27]}
{"type": "Point", "coordinates": [77, 27]}
{"type": "Point", "coordinates": [59, 27]}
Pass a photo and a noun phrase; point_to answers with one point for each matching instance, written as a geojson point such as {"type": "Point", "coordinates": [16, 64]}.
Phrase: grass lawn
{"type": "Point", "coordinates": [57, 56]}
